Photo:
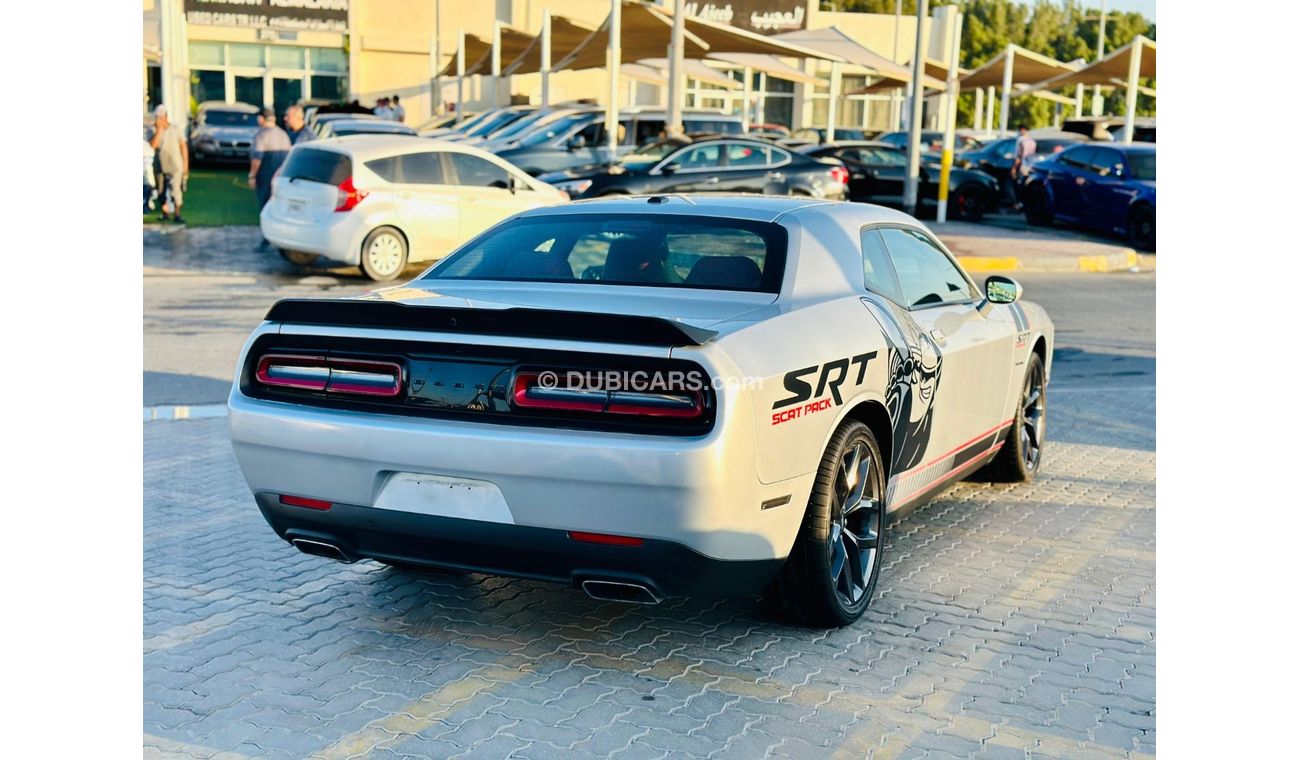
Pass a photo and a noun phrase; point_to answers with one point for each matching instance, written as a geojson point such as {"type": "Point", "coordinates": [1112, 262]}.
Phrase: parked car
{"type": "Point", "coordinates": [648, 398]}
{"type": "Point", "coordinates": [379, 201]}
{"type": "Point", "coordinates": [716, 165]}
{"type": "Point", "coordinates": [1106, 187]}
{"type": "Point", "coordinates": [995, 158]}
{"type": "Point", "coordinates": [584, 140]}
{"type": "Point", "coordinates": [438, 122]}
{"type": "Point", "coordinates": [1111, 128]}
{"type": "Point", "coordinates": [878, 171]}
{"type": "Point", "coordinates": [777, 131]}
{"type": "Point", "coordinates": [487, 122]}
{"type": "Point", "coordinates": [817, 135]}
{"type": "Point", "coordinates": [222, 131]}
{"type": "Point", "coordinates": [319, 121]}
{"type": "Point", "coordinates": [932, 140]}
{"type": "Point", "coordinates": [349, 127]}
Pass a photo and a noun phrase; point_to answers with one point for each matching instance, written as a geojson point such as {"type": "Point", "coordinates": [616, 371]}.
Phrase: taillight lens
{"type": "Point", "coordinates": [358, 377]}
{"type": "Point", "coordinates": [349, 196]}
{"type": "Point", "coordinates": [530, 393]}
{"type": "Point", "coordinates": [840, 174]}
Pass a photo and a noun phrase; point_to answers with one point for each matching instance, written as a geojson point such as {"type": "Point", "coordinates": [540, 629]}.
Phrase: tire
{"type": "Point", "coordinates": [1022, 455]}
{"type": "Point", "coordinates": [298, 258]}
{"type": "Point", "coordinates": [383, 254]}
{"type": "Point", "coordinates": [825, 583]}
{"type": "Point", "coordinates": [1142, 228]}
{"type": "Point", "coordinates": [1038, 209]}
{"type": "Point", "coordinates": [967, 204]}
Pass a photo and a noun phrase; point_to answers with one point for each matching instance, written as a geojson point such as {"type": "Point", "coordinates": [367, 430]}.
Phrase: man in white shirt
{"type": "Point", "coordinates": [397, 111]}
{"type": "Point", "coordinates": [382, 110]}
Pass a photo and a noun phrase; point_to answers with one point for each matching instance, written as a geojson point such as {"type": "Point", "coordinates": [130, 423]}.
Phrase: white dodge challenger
{"type": "Point", "coordinates": [647, 397]}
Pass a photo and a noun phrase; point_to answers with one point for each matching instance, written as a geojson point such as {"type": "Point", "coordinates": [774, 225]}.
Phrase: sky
{"type": "Point", "coordinates": [1145, 7]}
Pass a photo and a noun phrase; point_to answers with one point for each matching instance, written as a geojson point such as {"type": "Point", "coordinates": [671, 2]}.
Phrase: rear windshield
{"type": "Point", "coordinates": [612, 249]}
{"type": "Point", "coordinates": [317, 165]}
{"type": "Point", "coordinates": [1142, 165]}
{"type": "Point", "coordinates": [229, 119]}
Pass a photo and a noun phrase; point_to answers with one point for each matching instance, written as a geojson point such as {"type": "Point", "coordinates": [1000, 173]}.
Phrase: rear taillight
{"type": "Point", "coordinates": [301, 501]}
{"type": "Point", "coordinates": [360, 377]}
{"type": "Point", "coordinates": [530, 392]}
{"type": "Point", "coordinates": [349, 196]}
{"type": "Point", "coordinates": [840, 175]}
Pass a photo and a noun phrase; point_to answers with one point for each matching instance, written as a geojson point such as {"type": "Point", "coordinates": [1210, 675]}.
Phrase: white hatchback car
{"type": "Point", "coordinates": [379, 201]}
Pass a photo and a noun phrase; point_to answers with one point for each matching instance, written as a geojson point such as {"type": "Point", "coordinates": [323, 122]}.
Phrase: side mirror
{"type": "Point", "coordinates": [578, 142]}
{"type": "Point", "coordinates": [668, 169]}
{"type": "Point", "coordinates": [999, 289]}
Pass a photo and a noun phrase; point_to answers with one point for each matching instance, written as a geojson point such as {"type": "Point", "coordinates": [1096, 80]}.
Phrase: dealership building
{"type": "Point", "coordinates": [280, 52]}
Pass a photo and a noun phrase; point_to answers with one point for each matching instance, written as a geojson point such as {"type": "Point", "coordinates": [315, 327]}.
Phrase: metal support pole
{"type": "Point", "coordinates": [1097, 102]}
{"type": "Point", "coordinates": [950, 124]}
{"type": "Point", "coordinates": [832, 107]}
{"type": "Point", "coordinates": [896, 97]}
{"type": "Point", "coordinates": [546, 58]}
{"type": "Point", "coordinates": [914, 121]}
{"type": "Point", "coordinates": [979, 108]}
{"type": "Point", "coordinates": [1131, 93]}
{"type": "Point", "coordinates": [615, 53]}
{"type": "Point", "coordinates": [988, 114]}
{"type": "Point", "coordinates": [435, 62]}
{"type": "Point", "coordinates": [676, 54]}
{"type": "Point", "coordinates": [749, 95]}
{"type": "Point", "coordinates": [1008, 77]}
{"type": "Point", "coordinates": [496, 63]}
{"type": "Point", "coordinates": [1078, 101]}
{"type": "Point", "coordinates": [761, 113]}
{"type": "Point", "coordinates": [460, 76]}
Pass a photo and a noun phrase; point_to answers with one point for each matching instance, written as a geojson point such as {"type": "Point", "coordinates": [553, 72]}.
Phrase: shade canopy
{"type": "Point", "coordinates": [643, 73]}
{"type": "Point", "coordinates": [645, 33]}
{"type": "Point", "coordinates": [1027, 67]}
{"type": "Point", "coordinates": [1112, 70]}
{"type": "Point", "coordinates": [729, 39]}
{"type": "Point", "coordinates": [768, 64]}
{"type": "Point", "coordinates": [835, 44]}
{"type": "Point", "coordinates": [476, 49]}
{"type": "Point", "coordinates": [566, 36]}
{"type": "Point", "coordinates": [696, 70]}
{"type": "Point", "coordinates": [513, 44]}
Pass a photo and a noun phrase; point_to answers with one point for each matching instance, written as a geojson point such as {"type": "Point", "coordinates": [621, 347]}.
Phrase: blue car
{"type": "Point", "coordinates": [1111, 188]}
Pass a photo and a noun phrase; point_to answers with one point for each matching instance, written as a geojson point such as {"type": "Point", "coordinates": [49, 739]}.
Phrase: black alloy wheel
{"type": "Point", "coordinates": [1022, 453]}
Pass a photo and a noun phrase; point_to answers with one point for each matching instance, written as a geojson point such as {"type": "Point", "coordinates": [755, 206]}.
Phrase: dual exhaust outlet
{"type": "Point", "coordinates": [601, 590]}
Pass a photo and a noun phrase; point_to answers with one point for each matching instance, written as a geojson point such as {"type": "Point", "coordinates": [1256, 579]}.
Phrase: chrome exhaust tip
{"type": "Point", "coordinates": [322, 549]}
{"type": "Point", "coordinates": [619, 591]}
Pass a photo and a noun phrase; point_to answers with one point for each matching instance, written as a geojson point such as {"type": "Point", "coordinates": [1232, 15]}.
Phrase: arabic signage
{"type": "Point", "coordinates": [760, 16]}
{"type": "Point", "coordinates": [280, 15]}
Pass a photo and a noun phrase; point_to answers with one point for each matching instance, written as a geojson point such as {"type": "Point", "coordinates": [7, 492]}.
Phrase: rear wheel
{"type": "Point", "coordinates": [1022, 453]}
{"type": "Point", "coordinates": [967, 204]}
{"type": "Point", "coordinates": [1037, 208]}
{"type": "Point", "coordinates": [832, 570]}
{"type": "Point", "coordinates": [1142, 228]}
{"type": "Point", "coordinates": [383, 254]}
{"type": "Point", "coordinates": [298, 258]}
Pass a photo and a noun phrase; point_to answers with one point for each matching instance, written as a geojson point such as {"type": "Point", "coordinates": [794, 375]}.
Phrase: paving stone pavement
{"type": "Point", "coordinates": [1009, 622]}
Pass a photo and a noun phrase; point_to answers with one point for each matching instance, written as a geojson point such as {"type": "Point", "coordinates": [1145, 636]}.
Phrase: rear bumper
{"type": "Point", "coordinates": [334, 241]}
{"type": "Point", "coordinates": [666, 568]}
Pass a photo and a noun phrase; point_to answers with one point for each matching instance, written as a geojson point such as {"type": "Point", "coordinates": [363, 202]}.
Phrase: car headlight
{"type": "Point", "coordinates": [575, 186]}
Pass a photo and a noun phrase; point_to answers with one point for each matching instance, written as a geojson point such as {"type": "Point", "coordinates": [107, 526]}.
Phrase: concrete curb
{"type": "Point", "coordinates": [1120, 261]}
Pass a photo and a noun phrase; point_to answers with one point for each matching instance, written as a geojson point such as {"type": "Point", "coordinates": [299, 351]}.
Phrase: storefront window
{"type": "Point", "coordinates": [326, 87]}
{"type": "Point", "coordinates": [328, 59]}
{"type": "Point", "coordinates": [248, 55]}
{"type": "Point", "coordinates": [288, 57]}
{"type": "Point", "coordinates": [207, 85]}
{"type": "Point", "coordinates": [207, 54]}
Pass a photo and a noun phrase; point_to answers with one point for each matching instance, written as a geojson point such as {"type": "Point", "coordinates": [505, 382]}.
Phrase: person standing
{"type": "Point", "coordinates": [174, 159]}
{"type": "Point", "coordinates": [148, 176]}
{"type": "Point", "coordinates": [1026, 146]}
{"type": "Point", "coordinates": [270, 147]}
{"type": "Point", "coordinates": [382, 110]}
{"type": "Point", "coordinates": [398, 112]}
{"type": "Point", "coordinates": [296, 126]}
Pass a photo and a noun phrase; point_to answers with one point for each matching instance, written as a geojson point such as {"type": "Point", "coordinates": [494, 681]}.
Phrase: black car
{"type": "Point", "coordinates": [931, 140]}
{"type": "Point", "coordinates": [716, 165]}
{"type": "Point", "coordinates": [877, 172]}
{"type": "Point", "coordinates": [994, 158]}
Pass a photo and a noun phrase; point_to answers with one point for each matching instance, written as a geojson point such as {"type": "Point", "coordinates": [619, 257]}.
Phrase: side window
{"type": "Point", "coordinates": [779, 156]}
{"type": "Point", "coordinates": [472, 171]}
{"type": "Point", "coordinates": [422, 169]}
{"type": "Point", "coordinates": [876, 271]}
{"type": "Point", "coordinates": [747, 156]}
{"type": "Point", "coordinates": [699, 157]}
{"type": "Point", "coordinates": [1108, 163]}
{"type": "Point", "coordinates": [647, 131]}
{"type": "Point", "coordinates": [925, 275]}
{"type": "Point", "coordinates": [593, 133]}
{"type": "Point", "coordinates": [385, 168]}
{"type": "Point", "coordinates": [1080, 158]}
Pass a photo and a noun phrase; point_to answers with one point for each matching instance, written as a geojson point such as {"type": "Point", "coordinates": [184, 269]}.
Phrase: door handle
{"type": "Point", "coordinates": [775, 175]}
{"type": "Point", "coordinates": [711, 181]}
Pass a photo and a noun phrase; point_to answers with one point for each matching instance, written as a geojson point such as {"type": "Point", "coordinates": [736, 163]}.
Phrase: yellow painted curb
{"type": "Point", "coordinates": [989, 263]}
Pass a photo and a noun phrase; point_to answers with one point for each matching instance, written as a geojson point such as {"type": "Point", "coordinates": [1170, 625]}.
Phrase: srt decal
{"type": "Point", "coordinates": [830, 376]}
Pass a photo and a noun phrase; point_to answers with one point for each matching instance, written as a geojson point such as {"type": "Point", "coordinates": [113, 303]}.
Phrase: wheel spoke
{"type": "Point", "coordinates": [1034, 394]}
{"type": "Point", "coordinates": [838, 557]}
{"type": "Point", "coordinates": [856, 573]}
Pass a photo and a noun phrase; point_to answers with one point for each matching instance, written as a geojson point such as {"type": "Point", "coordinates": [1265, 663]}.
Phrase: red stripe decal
{"type": "Point", "coordinates": [916, 470]}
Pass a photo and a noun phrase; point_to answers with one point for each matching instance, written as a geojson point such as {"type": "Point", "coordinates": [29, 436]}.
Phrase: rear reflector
{"type": "Point", "coordinates": [363, 377]}
{"type": "Point", "coordinates": [299, 501]}
{"type": "Point", "coordinates": [605, 538]}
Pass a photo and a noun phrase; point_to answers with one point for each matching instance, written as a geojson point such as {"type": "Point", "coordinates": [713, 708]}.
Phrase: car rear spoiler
{"type": "Point", "coordinates": [518, 322]}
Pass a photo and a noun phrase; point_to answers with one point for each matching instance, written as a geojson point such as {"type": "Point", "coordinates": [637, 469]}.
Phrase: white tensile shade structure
{"type": "Point", "coordinates": [765, 65]}
{"type": "Point", "coordinates": [469, 48]}
{"type": "Point", "coordinates": [839, 48]}
{"type": "Point", "coordinates": [696, 70]}
{"type": "Point", "coordinates": [1014, 66]}
{"type": "Point", "coordinates": [559, 36]}
{"type": "Point", "coordinates": [1122, 67]}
